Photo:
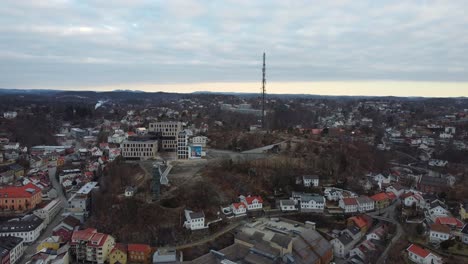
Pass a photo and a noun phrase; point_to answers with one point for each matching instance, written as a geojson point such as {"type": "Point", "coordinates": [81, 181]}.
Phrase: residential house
{"type": "Point", "coordinates": [378, 234]}
{"type": "Point", "coordinates": [14, 247]}
{"type": "Point", "coordinates": [28, 228]}
{"type": "Point", "coordinates": [439, 233]}
{"type": "Point", "coordinates": [129, 191]}
{"type": "Point", "coordinates": [252, 202]}
{"type": "Point", "coordinates": [332, 194]}
{"type": "Point", "coordinates": [20, 198]}
{"type": "Point", "coordinates": [238, 209]}
{"type": "Point", "coordinates": [52, 243]}
{"type": "Point", "coordinates": [396, 189]}
{"type": "Point", "coordinates": [412, 199]}
{"type": "Point", "coordinates": [451, 222]}
{"type": "Point", "coordinates": [287, 205]}
{"type": "Point", "coordinates": [464, 233]}
{"type": "Point", "coordinates": [139, 253]}
{"type": "Point", "coordinates": [349, 205]}
{"type": "Point", "coordinates": [65, 229]}
{"type": "Point", "coordinates": [363, 222]}
{"type": "Point", "coordinates": [312, 203]}
{"type": "Point", "coordinates": [436, 210]}
{"type": "Point", "coordinates": [118, 254]}
{"type": "Point", "coordinates": [310, 180]}
{"type": "Point", "coordinates": [381, 200]}
{"type": "Point", "coordinates": [429, 184]}
{"type": "Point", "coordinates": [17, 169]}
{"type": "Point", "coordinates": [422, 256]}
{"type": "Point", "coordinates": [342, 245]}
{"type": "Point", "coordinates": [365, 204]}
{"type": "Point", "coordinates": [194, 220]}
{"type": "Point", "coordinates": [49, 211]}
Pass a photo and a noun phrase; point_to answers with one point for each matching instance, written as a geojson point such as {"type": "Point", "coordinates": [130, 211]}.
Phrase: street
{"type": "Point", "coordinates": [47, 232]}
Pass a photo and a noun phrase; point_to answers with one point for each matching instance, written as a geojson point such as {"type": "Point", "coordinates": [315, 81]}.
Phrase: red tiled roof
{"type": "Point", "coordinates": [391, 195]}
{"type": "Point", "coordinates": [349, 201]}
{"type": "Point", "coordinates": [20, 191]}
{"type": "Point", "coordinates": [139, 248]}
{"type": "Point", "coordinates": [237, 205]}
{"type": "Point", "coordinates": [451, 221]}
{"type": "Point", "coordinates": [440, 228]}
{"type": "Point", "coordinates": [250, 199]}
{"type": "Point", "coordinates": [415, 249]}
{"type": "Point", "coordinates": [99, 239]}
{"type": "Point", "coordinates": [359, 221]}
{"type": "Point", "coordinates": [379, 197]}
{"type": "Point", "coordinates": [85, 235]}
{"type": "Point", "coordinates": [121, 247]}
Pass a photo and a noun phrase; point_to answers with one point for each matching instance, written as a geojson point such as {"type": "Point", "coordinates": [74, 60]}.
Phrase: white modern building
{"type": "Point", "coordinates": [48, 212]}
{"type": "Point", "coordinates": [183, 144]}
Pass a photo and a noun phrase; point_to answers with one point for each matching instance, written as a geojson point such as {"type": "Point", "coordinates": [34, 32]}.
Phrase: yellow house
{"type": "Point", "coordinates": [118, 254]}
{"type": "Point", "coordinates": [464, 211]}
{"type": "Point", "coordinates": [52, 242]}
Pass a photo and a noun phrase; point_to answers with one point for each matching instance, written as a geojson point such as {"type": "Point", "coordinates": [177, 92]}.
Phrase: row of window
{"type": "Point", "coordinates": [138, 145]}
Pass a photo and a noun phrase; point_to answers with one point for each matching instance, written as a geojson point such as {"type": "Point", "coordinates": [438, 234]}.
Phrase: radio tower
{"type": "Point", "coordinates": [263, 92]}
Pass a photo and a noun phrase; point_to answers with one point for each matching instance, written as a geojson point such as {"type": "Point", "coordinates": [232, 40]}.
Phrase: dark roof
{"type": "Point", "coordinates": [10, 242]}
{"type": "Point", "coordinates": [287, 202]}
{"type": "Point", "coordinates": [465, 229]}
{"type": "Point", "coordinates": [194, 215]}
{"type": "Point", "coordinates": [354, 229]}
{"type": "Point", "coordinates": [16, 166]}
{"type": "Point", "coordinates": [71, 221]}
{"type": "Point", "coordinates": [281, 240]}
{"type": "Point", "coordinates": [433, 181]}
{"type": "Point", "coordinates": [3, 252]}
{"type": "Point", "coordinates": [319, 244]}
{"type": "Point", "coordinates": [310, 177]}
{"type": "Point", "coordinates": [27, 223]}
{"type": "Point", "coordinates": [345, 239]}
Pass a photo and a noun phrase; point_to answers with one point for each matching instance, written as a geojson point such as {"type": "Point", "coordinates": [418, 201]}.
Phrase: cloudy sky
{"type": "Point", "coordinates": [396, 47]}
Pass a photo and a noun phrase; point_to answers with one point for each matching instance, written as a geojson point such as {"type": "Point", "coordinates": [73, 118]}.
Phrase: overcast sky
{"type": "Point", "coordinates": [217, 45]}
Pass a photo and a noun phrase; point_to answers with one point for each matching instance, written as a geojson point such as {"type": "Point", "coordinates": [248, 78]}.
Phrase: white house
{"type": "Point", "coordinates": [14, 246]}
{"type": "Point", "coordinates": [194, 220]}
{"type": "Point", "coordinates": [238, 208]}
{"type": "Point", "coordinates": [439, 233]}
{"type": "Point", "coordinates": [422, 256]}
{"type": "Point", "coordinates": [310, 180]}
{"type": "Point", "coordinates": [332, 194]}
{"type": "Point", "coordinates": [252, 202]}
{"type": "Point", "coordinates": [28, 228]}
{"type": "Point", "coordinates": [445, 136]}
{"type": "Point", "coordinates": [412, 198]}
{"type": "Point", "coordinates": [129, 191]}
{"type": "Point", "coordinates": [450, 130]}
{"type": "Point", "coordinates": [395, 189]}
{"type": "Point", "coordinates": [365, 204]}
{"type": "Point", "coordinates": [438, 163]}
{"type": "Point", "coordinates": [342, 245]}
{"type": "Point", "coordinates": [382, 179]}
{"type": "Point", "coordinates": [312, 203]}
{"type": "Point", "coordinates": [436, 210]}
{"type": "Point", "coordinates": [10, 115]}
{"type": "Point", "coordinates": [349, 205]}
{"type": "Point", "coordinates": [287, 205]}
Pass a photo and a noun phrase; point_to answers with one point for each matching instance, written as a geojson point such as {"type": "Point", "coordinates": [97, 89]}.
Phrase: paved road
{"type": "Point", "coordinates": [388, 214]}
{"type": "Point", "coordinates": [47, 232]}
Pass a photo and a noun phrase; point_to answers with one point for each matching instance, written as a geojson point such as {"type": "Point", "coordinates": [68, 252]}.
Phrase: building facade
{"type": "Point", "coordinates": [169, 132]}
{"type": "Point", "coordinates": [20, 198]}
{"type": "Point", "coordinates": [140, 150]}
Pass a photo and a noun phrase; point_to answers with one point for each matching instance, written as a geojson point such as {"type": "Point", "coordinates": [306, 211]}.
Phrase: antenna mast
{"type": "Point", "coordinates": [263, 93]}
